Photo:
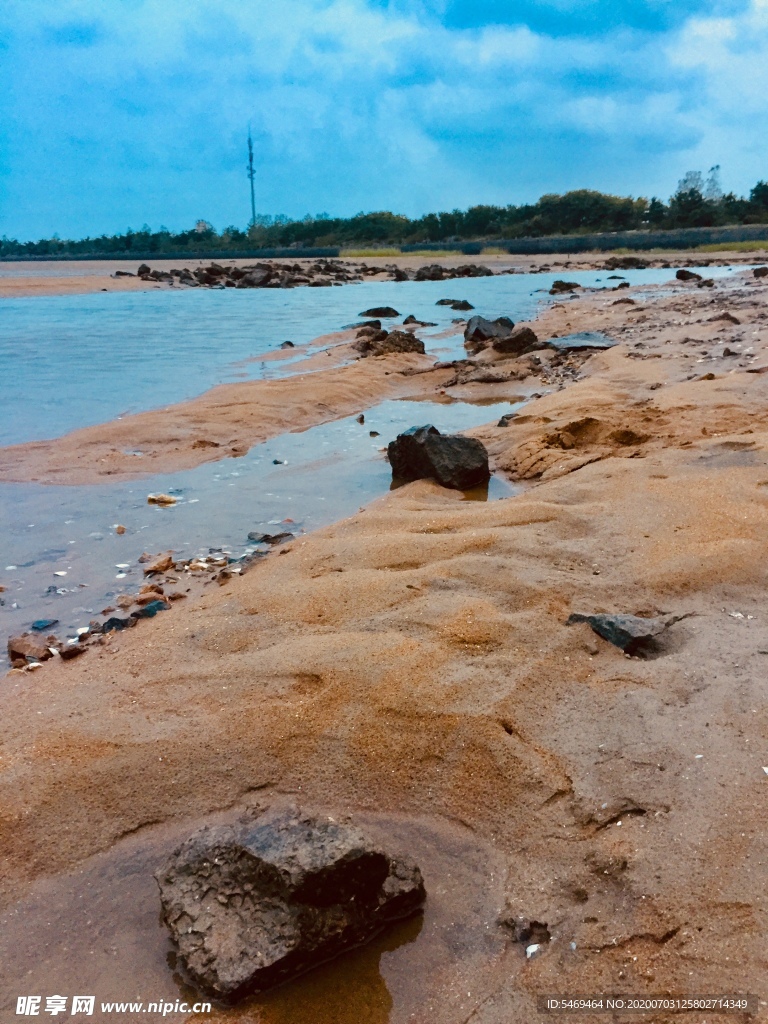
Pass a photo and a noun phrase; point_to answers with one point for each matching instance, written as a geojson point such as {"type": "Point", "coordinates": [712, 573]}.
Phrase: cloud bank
{"type": "Point", "coordinates": [134, 111]}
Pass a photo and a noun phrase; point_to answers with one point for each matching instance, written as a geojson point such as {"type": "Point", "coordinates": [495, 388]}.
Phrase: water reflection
{"type": "Point", "coordinates": [349, 990]}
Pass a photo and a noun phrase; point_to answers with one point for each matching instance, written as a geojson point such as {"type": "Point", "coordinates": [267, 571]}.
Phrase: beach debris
{"type": "Point", "coordinates": [687, 275]}
{"type": "Point", "coordinates": [452, 460]}
{"type": "Point", "coordinates": [634, 634]}
{"type": "Point", "coordinates": [40, 625]}
{"type": "Point", "coordinates": [161, 499]}
{"type": "Point", "coordinates": [253, 904]}
{"type": "Point", "coordinates": [387, 312]}
{"type": "Point", "coordinates": [161, 563]}
{"type": "Point", "coordinates": [561, 287]}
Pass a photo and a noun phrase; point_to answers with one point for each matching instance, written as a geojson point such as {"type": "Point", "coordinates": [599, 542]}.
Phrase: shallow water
{"type": "Point", "coordinates": [75, 360]}
{"type": "Point", "coordinates": [326, 474]}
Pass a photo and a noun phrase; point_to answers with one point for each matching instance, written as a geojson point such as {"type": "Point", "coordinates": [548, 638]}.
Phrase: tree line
{"type": "Point", "coordinates": [697, 202]}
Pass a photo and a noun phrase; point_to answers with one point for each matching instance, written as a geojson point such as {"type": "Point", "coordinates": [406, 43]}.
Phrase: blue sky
{"type": "Point", "coordinates": [117, 113]}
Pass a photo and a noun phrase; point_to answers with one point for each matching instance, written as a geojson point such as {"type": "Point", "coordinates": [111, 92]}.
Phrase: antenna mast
{"type": "Point", "coordinates": [251, 176]}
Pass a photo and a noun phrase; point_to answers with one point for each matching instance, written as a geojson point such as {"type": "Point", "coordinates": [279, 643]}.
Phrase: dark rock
{"type": "Point", "coordinates": [582, 339]}
{"type": "Point", "coordinates": [506, 419]}
{"type": "Point", "coordinates": [624, 302]}
{"type": "Point", "coordinates": [624, 284]}
{"type": "Point", "coordinates": [150, 610]}
{"type": "Point", "coordinates": [380, 311]}
{"type": "Point", "coordinates": [419, 323]}
{"type": "Point", "coordinates": [632, 633]}
{"type": "Point", "coordinates": [255, 278]}
{"type": "Point", "coordinates": [433, 272]}
{"type": "Point", "coordinates": [40, 625]}
{"type": "Point", "coordinates": [360, 418]}
{"type": "Point", "coordinates": [287, 344]}
{"type": "Point", "coordinates": [373, 324]}
{"type": "Point", "coordinates": [625, 263]}
{"type": "Point", "coordinates": [28, 647]}
{"type": "Point", "coordinates": [707, 283]}
{"type": "Point", "coordinates": [70, 651]}
{"type": "Point", "coordinates": [269, 538]}
{"type": "Point", "coordinates": [452, 460]}
{"type": "Point", "coordinates": [144, 270]}
{"type": "Point", "coordinates": [561, 287]}
{"type": "Point", "coordinates": [395, 341]}
{"type": "Point", "coordinates": [517, 343]}
{"type": "Point", "coordinates": [461, 304]}
{"type": "Point", "coordinates": [123, 273]}
{"type": "Point", "coordinates": [728, 317]}
{"type": "Point", "coordinates": [479, 331]}
{"type": "Point", "coordinates": [253, 904]}
{"type": "Point", "coordinates": [470, 270]}
{"type": "Point", "coordinates": [116, 624]}
{"type": "Point", "coordinates": [687, 275]}
{"type": "Point", "coordinates": [760, 272]}
{"type": "Point", "coordinates": [446, 302]}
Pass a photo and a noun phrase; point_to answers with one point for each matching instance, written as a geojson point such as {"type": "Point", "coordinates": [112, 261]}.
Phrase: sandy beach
{"type": "Point", "coordinates": [411, 666]}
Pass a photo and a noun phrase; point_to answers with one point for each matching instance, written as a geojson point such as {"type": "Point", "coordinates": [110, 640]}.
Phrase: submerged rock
{"type": "Point", "coordinates": [561, 287]}
{"type": "Point", "coordinates": [380, 311]}
{"type": "Point", "coordinates": [423, 453]}
{"type": "Point", "coordinates": [253, 904]}
{"type": "Point", "coordinates": [687, 275]}
{"type": "Point", "coordinates": [634, 634]}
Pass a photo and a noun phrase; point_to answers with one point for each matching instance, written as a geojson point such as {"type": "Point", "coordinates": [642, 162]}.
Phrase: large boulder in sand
{"type": "Point", "coordinates": [253, 904]}
{"type": "Point", "coordinates": [634, 634]}
{"type": "Point", "coordinates": [452, 460]}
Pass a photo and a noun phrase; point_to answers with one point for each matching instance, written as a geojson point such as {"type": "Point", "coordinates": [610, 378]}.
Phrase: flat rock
{"type": "Point", "coordinates": [423, 453]}
{"type": "Point", "coordinates": [632, 633]}
{"type": "Point", "coordinates": [162, 563]}
{"type": "Point", "coordinates": [253, 904]}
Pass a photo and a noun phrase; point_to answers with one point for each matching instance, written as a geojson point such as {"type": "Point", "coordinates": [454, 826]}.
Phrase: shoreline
{"type": "Point", "coordinates": [415, 658]}
{"type": "Point", "coordinates": [17, 279]}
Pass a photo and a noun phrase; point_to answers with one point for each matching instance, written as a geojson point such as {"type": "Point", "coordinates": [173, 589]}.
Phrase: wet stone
{"type": "Point", "coordinates": [253, 904]}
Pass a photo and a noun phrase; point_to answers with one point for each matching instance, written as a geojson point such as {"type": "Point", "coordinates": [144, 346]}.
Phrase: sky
{"type": "Point", "coordinates": [119, 113]}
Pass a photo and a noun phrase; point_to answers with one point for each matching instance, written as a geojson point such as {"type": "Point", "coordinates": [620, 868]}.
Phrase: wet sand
{"type": "Point", "coordinates": [414, 661]}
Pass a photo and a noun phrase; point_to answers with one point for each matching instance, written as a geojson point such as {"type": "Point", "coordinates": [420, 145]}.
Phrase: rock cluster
{"type": "Point", "coordinates": [373, 342]}
{"type": "Point", "coordinates": [253, 904]}
{"type": "Point", "coordinates": [423, 453]}
{"type": "Point", "coordinates": [501, 335]}
{"type": "Point", "coordinates": [318, 274]}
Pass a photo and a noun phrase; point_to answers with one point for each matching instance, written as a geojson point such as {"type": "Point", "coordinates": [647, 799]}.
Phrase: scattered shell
{"type": "Point", "coordinates": [60, 572]}
{"type": "Point", "coordinates": [532, 949]}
